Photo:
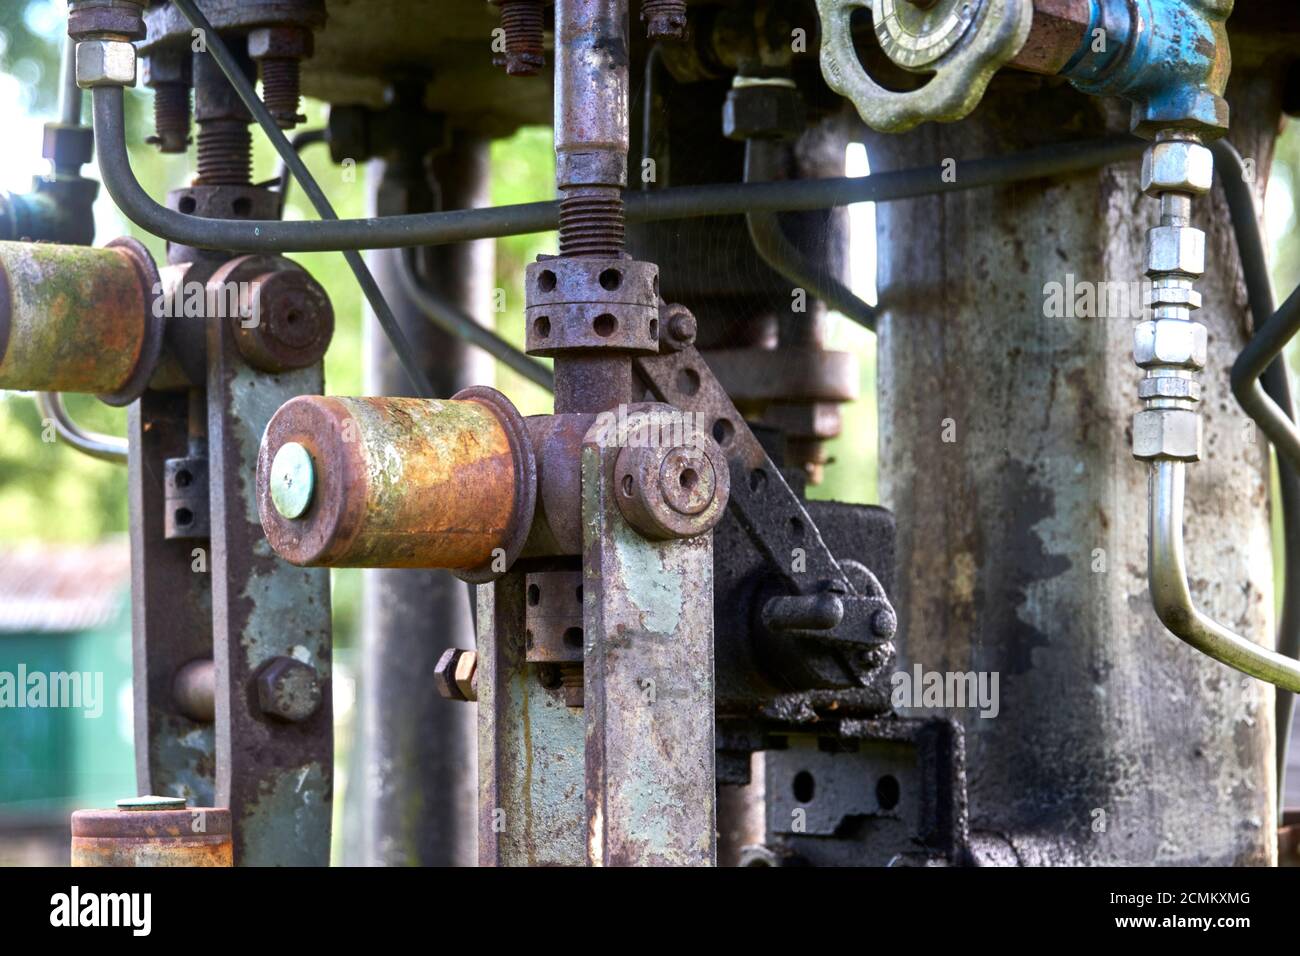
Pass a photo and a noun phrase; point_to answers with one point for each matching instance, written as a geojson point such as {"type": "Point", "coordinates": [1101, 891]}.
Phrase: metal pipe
{"type": "Point", "coordinates": [462, 225]}
{"type": "Point", "coordinates": [452, 320]}
{"type": "Point", "coordinates": [1167, 573]}
{"type": "Point", "coordinates": [784, 257]}
{"type": "Point", "coordinates": [1277, 385]}
{"type": "Point", "coordinates": [70, 95]}
{"type": "Point", "coordinates": [104, 447]}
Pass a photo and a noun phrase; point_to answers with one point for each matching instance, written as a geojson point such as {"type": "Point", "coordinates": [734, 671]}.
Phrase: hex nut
{"type": "Point", "coordinates": [1169, 343]}
{"type": "Point", "coordinates": [289, 690]}
{"type": "Point", "coordinates": [1178, 249]}
{"type": "Point", "coordinates": [1170, 386]}
{"type": "Point", "coordinates": [444, 674]}
{"type": "Point", "coordinates": [466, 671]}
{"type": "Point", "coordinates": [1177, 166]}
{"type": "Point", "coordinates": [762, 111]}
{"type": "Point", "coordinates": [105, 63]}
{"type": "Point", "coordinates": [285, 42]}
{"type": "Point", "coordinates": [68, 146]}
{"type": "Point", "coordinates": [1167, 434]}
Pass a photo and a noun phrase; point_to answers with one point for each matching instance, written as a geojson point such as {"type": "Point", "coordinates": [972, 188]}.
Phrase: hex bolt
{"type": "Point", "coordinates": [522, 22]}
{"type": "Point", "coordinates": [169, 76]}
{"type": "Point", "coordinates": [679, 324]}
{"type": "Point", "coordinates": [456, 675]}
{"type": "Point", "coordinates": [289, 690]}
{"type": "Point", "coordinates": [171, 118]}
{"type": "Point", "coordinates": [279, 51]}
{"type": "Point", "coordinates": [664, 19]}
{"type": "Point", "coordinates": [293, 480]}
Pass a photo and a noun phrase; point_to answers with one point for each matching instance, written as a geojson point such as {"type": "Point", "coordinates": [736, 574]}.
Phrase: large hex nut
{"type": "Point", "coordinates": [454, 676]}
{"type": "Point", "coordinates": [765, 110]}
{"type": "Point", "coordinates": [1178, 249]}
{"type": "Point", "coordinates": [282, 42]}
{"type": "Point", "coordinates": [289, 690]}
{"type": "Point", "coordinates": [1181, 167]}
{"type": "Point", "coordinates": [1167, 434]}
{"type": "Point", "coordinates": [105, 63]}
{"type": "Point", "coordinates": [1169, 343]}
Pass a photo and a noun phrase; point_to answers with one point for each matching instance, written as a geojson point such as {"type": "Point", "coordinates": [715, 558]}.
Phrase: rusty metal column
{"type": "Point", "coordinates": [419, 780]}
{"type": "Point", "coordinates": [1022, 521]}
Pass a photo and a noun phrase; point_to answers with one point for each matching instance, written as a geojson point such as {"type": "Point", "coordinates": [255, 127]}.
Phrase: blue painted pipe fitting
{"type": "Point", "coordinates": [1169, 58]}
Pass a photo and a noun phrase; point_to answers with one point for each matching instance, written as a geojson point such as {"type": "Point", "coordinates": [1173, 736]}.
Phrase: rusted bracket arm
{"type": "Point", "coordinates": [767, 508]}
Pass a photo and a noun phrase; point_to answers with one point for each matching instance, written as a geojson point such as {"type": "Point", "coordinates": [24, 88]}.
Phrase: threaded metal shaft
{"type": "Point", "coordinates": [282, 90]}
{"type": "Point", "coordinates": [225, 153]}
{"type": "Point", "coordinates": [171, 117]}
{"type": "Point", "coordinates": [592, 222]}
{"type": "Point", "coordinates": [522, 22]}
{"type": "Point", "coordinates": [664, 19]}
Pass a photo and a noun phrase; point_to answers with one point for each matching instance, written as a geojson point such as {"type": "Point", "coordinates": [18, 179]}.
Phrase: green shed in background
{"type": "Point", "coordinates": [65, 627]}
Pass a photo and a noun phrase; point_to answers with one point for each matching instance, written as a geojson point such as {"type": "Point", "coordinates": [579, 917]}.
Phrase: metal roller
{"type": "Point", "coordinates": [398, 482]}
{"type": "Point", "coordinates": [74, 319]}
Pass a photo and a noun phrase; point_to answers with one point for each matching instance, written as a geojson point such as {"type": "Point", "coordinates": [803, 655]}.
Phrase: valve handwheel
{"type": "Point", "coordinates": [961, 42]}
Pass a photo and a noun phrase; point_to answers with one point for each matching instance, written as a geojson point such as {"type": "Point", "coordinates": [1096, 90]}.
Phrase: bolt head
{"type": "Point", "coordinates": [762, 111]}
{"type": "Point", "coordinates": [1179, 249]}
{"type": "Point", "coordinates": [1169, 343]}
{"type": "Point", "coordinates": [289, 690]}
{"type": "Point", "coordinates": [164, 66]}
{"type": "Point", "coordinates": [1177, 166]}
{"type": "Point", "coordinates": [105, 63]}
{"type": "Point", "coordinates": [445, 673]}
{"type": "Point", "coordinates": [283, 42]}
{"type": "Point", "coordinates": [680, 325]}
{"type": "Point", "coordinates": [1167, 434]}
{"type": "Point", "coordinates": [466, 668]}
{"type": "Point", "coordinates": [293, 480]}
{"type": "Point", "coordinates": [68, 146]}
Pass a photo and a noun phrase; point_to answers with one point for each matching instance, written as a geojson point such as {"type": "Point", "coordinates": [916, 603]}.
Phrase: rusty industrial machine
{"type": "Point", "coordinates": [623, 633]}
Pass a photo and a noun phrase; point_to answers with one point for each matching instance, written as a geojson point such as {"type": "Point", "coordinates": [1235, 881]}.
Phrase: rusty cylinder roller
{"type": "Point", "coordinates": [75, 319]}
{"type": "Point", "coordinates": [398, 482]}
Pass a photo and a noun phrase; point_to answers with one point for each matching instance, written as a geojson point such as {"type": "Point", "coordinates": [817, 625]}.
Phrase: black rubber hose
{"type": "Point", "coordinates": [452, 319]}
{"type": "Point", "coordinates": [464, 225]}
{"type": "Point", "coordinates": [783, 256]}
{"type": "Point", "coordinates": [1276, 386]}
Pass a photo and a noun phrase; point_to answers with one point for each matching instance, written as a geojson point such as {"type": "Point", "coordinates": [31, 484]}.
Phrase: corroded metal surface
{"type": "Point", "coordinates": [1022, 543]}
{"type": "Point", "coordinates": [147, 838]}
{"type": "Point", "coordinates": [275, 776]}
{"type": "Point", "coordinates": [74, 319]}
{"type": "Point", "coordinates": [418, 755]}
{"type": "Point", "coordinates": [530, 756]}
{"type": "Point", "coordinates": [171, 609]}
{"type": "Point", "coordinates": [648, 621]}
{"type": "Point", "coordinates": [399, 482]}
